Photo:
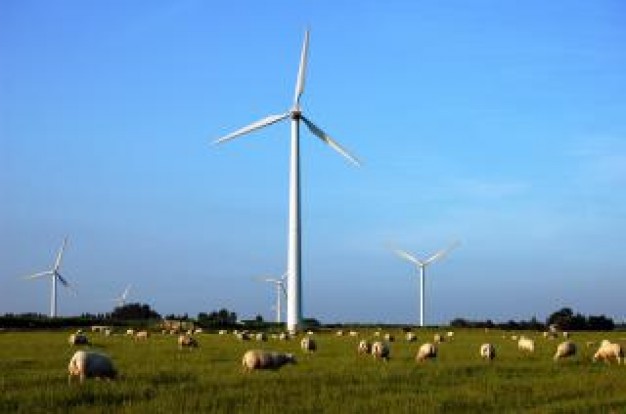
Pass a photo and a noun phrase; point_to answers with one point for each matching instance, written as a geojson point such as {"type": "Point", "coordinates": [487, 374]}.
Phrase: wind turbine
{"type": "Point", "coordinates": [121, 300]}
{"type": "Point", "coordinates": [280, 290]}
{"type": "Point", "coordinates": [55, 275]}
{"type": "Point", "coordinates": [421, 265]}
{"type": "Point", "coordinates": [294, 305]}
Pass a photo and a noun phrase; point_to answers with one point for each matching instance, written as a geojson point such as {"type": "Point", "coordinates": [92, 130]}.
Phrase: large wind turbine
{"type": "Point", "coordinates": [121, 300]}
{"type": "Point", "coordinates": [421, 265]}
{"type": "Point", "coordinates": [55, 275]}
{"type": "Point", "coordinates": [294, 305]}
{"type": "Point", "coordinates": [280, 290]}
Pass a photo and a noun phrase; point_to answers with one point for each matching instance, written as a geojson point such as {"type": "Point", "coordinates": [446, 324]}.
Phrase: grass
{"type": "Point", "coordinates": [158, 378]}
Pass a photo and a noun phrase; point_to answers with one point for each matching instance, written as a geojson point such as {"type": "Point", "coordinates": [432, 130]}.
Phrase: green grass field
{"type": "Point", "coordinates": [158, 378]}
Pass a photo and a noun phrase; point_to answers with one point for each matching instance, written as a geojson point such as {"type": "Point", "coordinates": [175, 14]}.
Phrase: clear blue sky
{"type": "Point", "coordinates": [498, 123]}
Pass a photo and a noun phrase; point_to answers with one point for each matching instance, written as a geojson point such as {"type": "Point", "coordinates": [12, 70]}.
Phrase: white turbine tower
{"type": "Point", "coordinates": [121, 300]}
{"type": "Point", "coordinates": [55, 275]}
{"type": "Point", "coordinates": [294, 305]}
{"type": "Point", "coordinates": [421, 265]}
{"type": "Point", "coordinates": [280, 291]}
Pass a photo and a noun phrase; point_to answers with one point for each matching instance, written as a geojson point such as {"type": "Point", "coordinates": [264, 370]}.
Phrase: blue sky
{"type": "Point", "coordinates": [498, 124]}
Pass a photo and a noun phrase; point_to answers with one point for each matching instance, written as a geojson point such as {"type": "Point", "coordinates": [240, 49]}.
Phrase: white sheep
{"type": "Point", "coordinates": [426, 351]}
{"type": "Point", "coordinates": [308, 344]}
{"type": "Point", "coordinates": [608, 351]}
{"type": "Point", "coordinates": [564, 350]}
{"type": "Point", "coordinates": [450, 334]}
{"type": "Point", "coordinates": [353, 334]}
{"type": "Point", "coordinates": [488, 351]}
{"type": "Point", "coordinates": [187, 341]}
{"type": "Point", "coordinates": [222, 332]}
{"type": "Point", "coordinates": [259, 359]}
{"type": "Point", "coordinates": [389, 337]}
{"type": "Point", "coordinates": [380, 350]}
{"type": "Point", "coordinates": [411, 337]}
{"type": "Point", "coordinates": [88, 364]}
{"type": "Point", "coordinates": [130, 332]}
{"type": "Point", "coordinates": [339, 333]}
{"type": "Point", "coordinates": [526, 344]}
{"type": "Point", "coordinates": [364, 347]}
{"type": "Point", "coordinates": [142, 336]}
{"type": "Point", "coordinates": [261, 337]}
{"type": "Point", "coordinates": [284, 336]}
{"type": "Point", "coordinates": [242, 336]}
{"type": "Point", "coordinates": [438, 338]}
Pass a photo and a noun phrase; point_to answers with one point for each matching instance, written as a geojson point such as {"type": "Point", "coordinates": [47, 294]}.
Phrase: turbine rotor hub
{"type": "Point", "coordinates": [295, 113]}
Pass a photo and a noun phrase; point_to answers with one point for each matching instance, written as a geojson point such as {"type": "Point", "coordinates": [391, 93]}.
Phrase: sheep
{"type": "Point", "coordinates": [438, 338]}
{"type": "Point", "coordinates": [284, 336]}
{"type": "Point", "coordinates": [566, 335]}
{"type": "Point", "coordinates": [410, 337]}
{"type": "Point", "coordinates": [88, 364]}
{"type": "Point", "coordinates": [450, 334]}
{"type": "Point", "coordinates": [242, 336]}
{"type": "Point", "coordinates": [308, 344]}
{"type": "Point", "coordinates": [108, 332]}
{"type": "Point", "coordinates": [426, 351]}
{"type": "Point", "coordinates": [261, 337]}
{"type": "Point", "coordinates": [364, 347]}
{"type": "Point", "coordinates": [198, 331]}
{"type": "Point", "coordinates": [187, 341]}
{"type": "Point", "coordinates": [259, 359]}
{"type": "Point", "coordinates": [142, 336]}
{"type": "Point", "coordinates": [339, 333]}
{"type": "Point", "coordinates": [222, 332]}
{"type": "Point", "coordinates": [130, 332]}
{"type": "Point", "coordinates": [526, 344]}
{"type": "Point", "coordinates": [488, 351]}
{"type": "Point", "coordinates": [380, 350]}
{"type": "Point", "coordinates": [78, 338]}
{"type": "Point", "coordinates": [389, 337]}
{"type": "Point", "coordinates": [608, 351]}
{"type": "Point", "coordinates": [564, 350]}
{"type": "Point", "coordinates": [353, 334]}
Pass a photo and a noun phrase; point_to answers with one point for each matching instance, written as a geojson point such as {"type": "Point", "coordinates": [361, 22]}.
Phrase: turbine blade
{"type": "Point", "coordinates": [272, 119]}
{"type": "Point", "coordinates": [441, 253]}
{"type": "Point", "coordinates": [282, 286]}
{"type": "Point", "coordinates": [62, 279]}
{"type": "Point", "coordinates": [409, 257]}
{"type": "Point", "coordinates": [57, 262]}
{"type": "Point", "coordinates": [123, 297]}
{"type": "Point", "coordinates": [40, 274]}
{"type": "Point", "coordinates": [302, 70]}
{"type": "Point", "coordinates": [328, 140]}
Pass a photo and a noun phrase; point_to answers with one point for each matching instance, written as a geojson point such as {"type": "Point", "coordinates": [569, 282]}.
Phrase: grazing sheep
{"type": "Point", "coordinates": [389, 337]}
{"type": "Point", "coordinates": [488, 351]}
{"type": "Point", "coordinates": [130, 332]}
{"type": "Point", "coordinates": [450, 334]}
{"type": "Point", "coordinates": [426, 351]}
{"type": "Point", "coordinates": [564, 350]}
{"type": "Point", "coordinates": [88, 364]}
{"type": "Point", "coordinates": [198, 331]}
{"type": "Point", "coordinates": [78, 338]}
{"type": "Point", "coordinates": [526, 344]}
{"type": "Point", "coordinates": [258, 359]}
{"type": "Point", "coordinates": [108, 332]}
{"type": "Point", "coordinates": [377, 333]}
{"type": "Point", "coordinates": [284, 336]}
{"type": "Point", "coordinates": [410, 337]}
{"type": "Point", "coordinates": [308, 344]}
{"type": "Point", "coordinates": [608, 351]}
{"type": "Point", "coordinates": [142, 336]}
{"type": "Point", "coordinates": [353, 333]}
{"type": "Point", "coordinates": [364, 347]}
{"type": "Point", "coordinates": [566, 335]}
{"type": "Point", "coordinates": [242, 336]}
{"type": "Point", "coordinates": [187, 341]}
{"type": "Point", "coordinates": [309, 332]}
{"type": "Point", "coordinates": [339, 333]}
{"type": "Point", "coordinates": [261, 337]}
{"type": "Point", "coordinates": [380, 350]}
{"type": "Point", "coordinates": [438, 338]}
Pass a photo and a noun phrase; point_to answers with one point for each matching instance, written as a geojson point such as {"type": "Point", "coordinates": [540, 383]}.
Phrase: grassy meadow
{"type": "Point", "coordinates": [158, 378]}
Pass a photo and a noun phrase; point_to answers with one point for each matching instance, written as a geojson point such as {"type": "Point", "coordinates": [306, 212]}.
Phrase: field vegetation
{"type": "Point", "coordinates": [157, 377]}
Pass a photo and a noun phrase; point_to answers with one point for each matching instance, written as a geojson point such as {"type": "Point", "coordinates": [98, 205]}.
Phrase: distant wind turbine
{"type": "Point", "coordinates": [280, 291]}
{"type": "Point", "coordinates": [294, 305]}
{"type": "Point", "coordinates": [121, 300]}
{"type": "Point", "coordinates": [55, 275]}
{"type": "Point", "coordinates": [421, 265]}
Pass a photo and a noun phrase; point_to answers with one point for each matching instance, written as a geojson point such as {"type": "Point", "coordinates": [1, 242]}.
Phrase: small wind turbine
{"type": "Point", "coordinates": [294, 306]}
{"type": "Point", "coordinates": [280, 291]}
{"type": "Point", "coordinates": [55, 275]}
{"type": "Point", "coordinates": [121, 300]}
{"type": "Point", "coordinates": [421, 265]}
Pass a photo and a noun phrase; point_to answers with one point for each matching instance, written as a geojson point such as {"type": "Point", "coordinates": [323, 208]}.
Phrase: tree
{"type": "Point", "coordinates": [134, 311]}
